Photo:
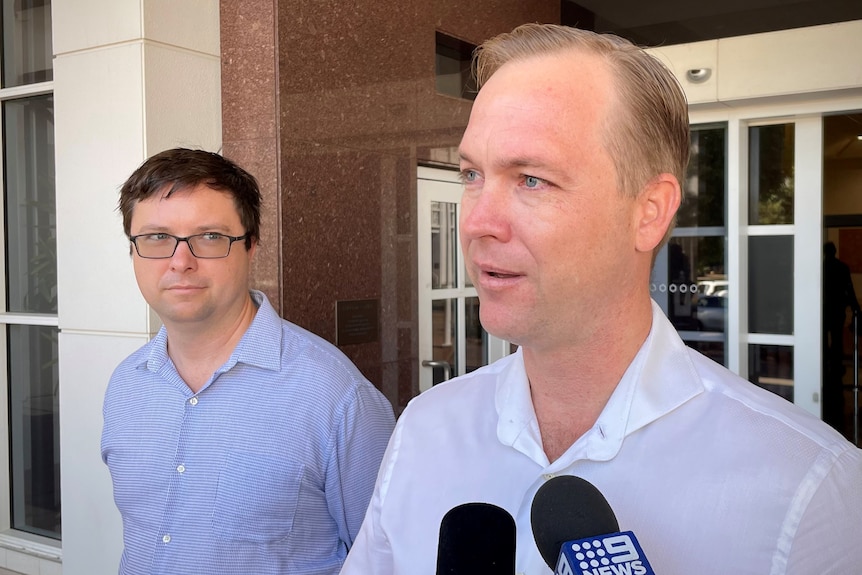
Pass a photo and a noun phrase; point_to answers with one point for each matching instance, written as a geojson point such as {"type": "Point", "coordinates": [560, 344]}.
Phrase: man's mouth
{"type": "Point", "coordinates": [501, 275]}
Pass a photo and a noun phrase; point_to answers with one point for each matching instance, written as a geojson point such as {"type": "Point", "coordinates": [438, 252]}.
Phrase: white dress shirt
{"type": "Point", "coordinates": [711, 473]}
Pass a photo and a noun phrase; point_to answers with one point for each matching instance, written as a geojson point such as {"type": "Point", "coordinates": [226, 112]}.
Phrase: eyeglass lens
{"type": "Point", "coordinates": [165, 245]}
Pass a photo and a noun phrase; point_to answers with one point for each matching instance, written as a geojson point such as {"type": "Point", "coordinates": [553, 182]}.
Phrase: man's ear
{"type": "Point", "coordinates": [656, 208]}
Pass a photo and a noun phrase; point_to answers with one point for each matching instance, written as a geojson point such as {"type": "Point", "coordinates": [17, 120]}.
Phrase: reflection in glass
{"type": "Point", "coordinates": [444, 330]}
{"type": "Point", "coordinates": [34, 429]}
{"type": "Point", "coordinates": [444, 245]}
{"type": "Point", "coordinates": [31, 226]}
{"type": "Point", "coordinates": [477, 338]}
{"type": "Point", "coordinates": [27, 49]}
{"type": "Point", "coordinates": [705, 179]}
{"type": "Point", "coordinates": [714, 350]}
{"type": "Point", "coordinates": [771, 367]}
{"type": "Point", "coordinates": [696, 285]}
{"type": "Point", "coordinates": [770, 287]}
{"type": "Point", "coordinates": [770, 176]}
{"type": "Point", "coordinates": [453, 70]}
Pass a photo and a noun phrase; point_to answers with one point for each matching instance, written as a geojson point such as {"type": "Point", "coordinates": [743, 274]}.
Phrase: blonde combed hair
{"type": "Point", "coordinates": [649, 133]}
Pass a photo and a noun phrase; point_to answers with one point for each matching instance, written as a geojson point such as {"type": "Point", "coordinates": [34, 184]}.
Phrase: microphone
{"type": "Point", "coordinates": [476, 539]}
{"type": "Point", "coordinates": [576, 530]}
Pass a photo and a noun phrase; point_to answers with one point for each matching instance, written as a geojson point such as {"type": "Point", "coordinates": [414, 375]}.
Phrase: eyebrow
{"type": "Point", "coordinates": [156, 229]}
{"type": "Point", "coordinates": [521, 161]}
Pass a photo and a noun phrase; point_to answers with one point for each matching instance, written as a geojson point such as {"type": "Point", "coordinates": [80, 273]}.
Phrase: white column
{"type": "Point", "coordinates": [132, 77]}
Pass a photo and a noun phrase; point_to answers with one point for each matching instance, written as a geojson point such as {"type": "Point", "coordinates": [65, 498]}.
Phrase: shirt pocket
{"type": "Point", "coordinates": [256, 498]}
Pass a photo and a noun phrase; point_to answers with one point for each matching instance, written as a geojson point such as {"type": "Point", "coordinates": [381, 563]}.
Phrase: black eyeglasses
{"type": "Point", "coordinates": [209, 245]}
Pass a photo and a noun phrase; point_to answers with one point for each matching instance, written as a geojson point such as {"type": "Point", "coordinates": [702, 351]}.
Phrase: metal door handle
{"type": "Point", "coordinates": [444, 365]}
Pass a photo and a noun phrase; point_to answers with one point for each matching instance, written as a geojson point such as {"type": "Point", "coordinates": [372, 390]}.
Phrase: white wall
{"type": "Point", "coordinates": [818, 59]}
{"type": "Point", "coordinates": [132, 77]}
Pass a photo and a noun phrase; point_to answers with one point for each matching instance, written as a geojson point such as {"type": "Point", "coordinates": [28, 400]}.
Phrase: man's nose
{"type": "Point", "coordinates": [486, 212]}
{"type": "Point", "coordinates": [183, 257]}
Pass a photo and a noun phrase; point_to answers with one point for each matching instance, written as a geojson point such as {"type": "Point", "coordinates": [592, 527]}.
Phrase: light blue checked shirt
{"type": "Point", "coordinates": [268, 469]}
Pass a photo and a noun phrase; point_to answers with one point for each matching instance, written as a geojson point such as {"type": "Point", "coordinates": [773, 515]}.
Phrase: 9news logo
{"type": "Point", "coordinates": [613, 554]}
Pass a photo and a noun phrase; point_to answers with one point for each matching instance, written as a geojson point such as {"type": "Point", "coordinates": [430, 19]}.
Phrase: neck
{"type": "Point", "coordinates": [571, 385]}
{"type": "Point", "coordinates": [198, 350]}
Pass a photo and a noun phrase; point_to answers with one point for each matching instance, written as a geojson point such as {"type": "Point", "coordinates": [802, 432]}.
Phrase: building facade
{"type": "Point", "coordinates": [349, 115]}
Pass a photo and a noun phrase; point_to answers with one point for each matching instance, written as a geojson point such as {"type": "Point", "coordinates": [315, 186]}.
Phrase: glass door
{"type": "Point", "coordinates": [452, 341]}
{"type": "Point", "coordinates": [740, 276]}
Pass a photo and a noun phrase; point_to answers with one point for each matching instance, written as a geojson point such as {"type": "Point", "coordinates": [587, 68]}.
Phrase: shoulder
{"type": "Point", "coordinates": [327, 376]}
{"type": "Point", "coordinates": [764, 415]}
{"type": "Point", "coordinates": [300, 351]}
{"type": "Point", "coordinates": [309, 352]}
{"type": "Point", "coordinates": [461, 397]}
{"type": "Point", "coordinates": [133, 367]}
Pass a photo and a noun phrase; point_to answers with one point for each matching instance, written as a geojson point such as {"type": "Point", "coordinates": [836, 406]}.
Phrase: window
{"type": "Point", "coordinates": [452, 65]}
{"type": "Point", "coordinates": [695, 291]}
{"type": "Point", "coordinates": [28, 319]}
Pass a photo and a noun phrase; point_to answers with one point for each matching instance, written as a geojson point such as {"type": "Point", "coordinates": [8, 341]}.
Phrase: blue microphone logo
{"type": "Point", "coordinates": [612, 554]}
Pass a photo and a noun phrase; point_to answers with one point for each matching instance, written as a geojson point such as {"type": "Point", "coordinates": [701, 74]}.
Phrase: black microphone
{"type": "Point", "coordinates": [476, 539]}
{"type": "Point", "coordinates": [577, 532]}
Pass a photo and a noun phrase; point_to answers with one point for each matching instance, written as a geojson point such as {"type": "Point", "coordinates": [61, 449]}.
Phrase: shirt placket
{"type": "Point", "coordinates": [170, 537]}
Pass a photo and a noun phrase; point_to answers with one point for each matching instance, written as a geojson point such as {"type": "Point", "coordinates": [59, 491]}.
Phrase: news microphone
{"type": "Point", "coordinates": [577, 532]}
{"type": "Point", "coordinates": [476, 539]}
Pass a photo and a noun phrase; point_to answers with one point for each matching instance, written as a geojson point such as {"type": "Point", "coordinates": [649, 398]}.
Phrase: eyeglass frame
{"type": "Point", "coordinates": [178, 239]}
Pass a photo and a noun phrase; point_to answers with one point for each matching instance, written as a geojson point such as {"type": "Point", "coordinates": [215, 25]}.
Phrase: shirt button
{"type": "Point", "coordinates": [166, 538]}
{"type": "Point", "coordinates": [548, 476]}
{"type": "Point", "coordinates": [181, 468]}
{"type": "Point", "coordinates": [193, 401]}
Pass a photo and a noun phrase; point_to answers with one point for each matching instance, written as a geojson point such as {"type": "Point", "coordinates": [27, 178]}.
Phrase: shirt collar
{"type": "Point", "coordinates": [260, 345]}
{"type": "Point", "coordinates": [659, 379]}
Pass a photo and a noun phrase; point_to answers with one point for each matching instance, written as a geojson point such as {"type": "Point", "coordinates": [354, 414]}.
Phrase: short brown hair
{"type": "Point", "coordinates": [181, 169]}
{"type": "Point", "coordinates": [650, 134]}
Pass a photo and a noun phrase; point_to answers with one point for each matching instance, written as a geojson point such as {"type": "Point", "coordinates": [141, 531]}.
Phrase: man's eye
{"type": "Point", "coordinates": [468, 176]}
{"type": "Point", "coordinates": [154, 238]}
{"type": "Point", "coordinates": [211, 236]}
{"type": "Point", "coordinates": [532, 181]}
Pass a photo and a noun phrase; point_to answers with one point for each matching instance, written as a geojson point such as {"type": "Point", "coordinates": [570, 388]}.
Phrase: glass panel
{"type": "Point", "coordinates": [695, 276]}
{"type": "Point", "coordinates": [771, 367]}
{"type": "Point", "coordinates": [31, 227]}
{"type": "Point", "coordinates": [705, 180]}
{"type": "Point", "coordinates": [27, 49]}
{"type": "Point", "coordinates": [714, 350]}
{"type": "Point", "coordinates": [444, 245]}
{"type": "Point", "coordinates": [34, 429]}
{"type": "Point", "coordinates": [444, 329]}
{"type": "Point", "coordinates": [453, 71]}
{"type": "Point", "coordinates": [770, 288]}
{"type": "Point", "coordinates": [477, 337]}
{"type": "Point", "coordinates": [770, 176]}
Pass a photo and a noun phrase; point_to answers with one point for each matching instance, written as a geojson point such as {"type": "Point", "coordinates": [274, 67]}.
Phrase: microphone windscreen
{"type": "Point", "coordinates": [476, 539]}
{"type": "Point", "coordinates": [568, 508]}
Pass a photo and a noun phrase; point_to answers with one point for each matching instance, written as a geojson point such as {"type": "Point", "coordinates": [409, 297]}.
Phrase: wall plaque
{"type": "Point", "coordinates": [357, 321]}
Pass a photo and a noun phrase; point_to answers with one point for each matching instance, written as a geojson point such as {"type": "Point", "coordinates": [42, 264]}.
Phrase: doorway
{"type": "Point", "coordinates": [452, 341]}
{"type": "Point", "coordinates": [842, 241]}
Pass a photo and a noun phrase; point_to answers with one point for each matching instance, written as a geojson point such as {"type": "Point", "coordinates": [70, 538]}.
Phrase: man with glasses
{"type": "Point", "coordinates": [237, 442]}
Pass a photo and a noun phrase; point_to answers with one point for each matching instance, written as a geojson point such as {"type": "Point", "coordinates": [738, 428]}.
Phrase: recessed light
{"type": "Point", "coordinates": [859, 137]}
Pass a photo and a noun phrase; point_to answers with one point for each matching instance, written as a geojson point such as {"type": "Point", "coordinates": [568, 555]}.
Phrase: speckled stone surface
{"type": "Point", "coordinates": [332, 105]}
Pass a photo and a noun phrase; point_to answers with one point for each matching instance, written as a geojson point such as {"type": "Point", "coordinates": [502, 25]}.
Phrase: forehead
{"type": "Point", "coordinates": [194, 202]}
{"type": "Point", "coordinates": [540, 102]}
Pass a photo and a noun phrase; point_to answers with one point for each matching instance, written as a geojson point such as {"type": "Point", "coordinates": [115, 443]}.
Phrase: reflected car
{"type": "Point", "coordinates": [711, 313]}
{"type": "Point", "coordinates": [712, 287]}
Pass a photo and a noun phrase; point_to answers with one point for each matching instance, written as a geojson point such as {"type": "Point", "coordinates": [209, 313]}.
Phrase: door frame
{"type": "Point", "coordinates": [436, 184]}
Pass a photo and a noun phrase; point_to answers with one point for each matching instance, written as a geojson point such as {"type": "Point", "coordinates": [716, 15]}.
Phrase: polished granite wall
{"type": "Point", "coordinates": [332, 105]}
